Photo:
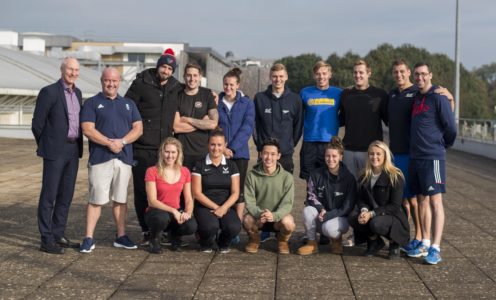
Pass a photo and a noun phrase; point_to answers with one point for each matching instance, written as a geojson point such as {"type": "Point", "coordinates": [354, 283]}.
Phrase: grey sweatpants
{"type": "Point", "coordinates": [332, 228]}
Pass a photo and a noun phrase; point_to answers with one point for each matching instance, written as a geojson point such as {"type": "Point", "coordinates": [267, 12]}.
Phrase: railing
{"type": "Point", "coordinates": [477, 130]}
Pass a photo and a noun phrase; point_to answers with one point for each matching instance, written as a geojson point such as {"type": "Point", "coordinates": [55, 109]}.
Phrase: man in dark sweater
{"type": "Point", "coordinates": [155, 93]}
{"type": "Point", "coordinates": [433, 129]}
{"type": "Point", "coordinates": [279, 114]}
{"type": "Point", "coordinates": [362, 110]}
{"type": "Point", "coordinates": [196, 115]}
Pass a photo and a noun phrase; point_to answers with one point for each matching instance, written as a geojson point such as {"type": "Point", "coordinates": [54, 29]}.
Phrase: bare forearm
{"type": "Point", "coordinates": [209, 122]}
{"type": "Point", "coordinates": [95, 136]}
{"type": "Point", "coordinates": [135, 133]}
{"type": "Point", "coordinates": [203, 124]}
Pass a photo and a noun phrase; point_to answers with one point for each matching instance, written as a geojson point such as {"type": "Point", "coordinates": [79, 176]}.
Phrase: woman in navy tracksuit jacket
{"type": "Point", "coordinates": [237, 119]}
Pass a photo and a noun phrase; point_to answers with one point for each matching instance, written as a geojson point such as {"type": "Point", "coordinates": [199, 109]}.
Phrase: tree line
{"type": "Point", "coordinates": [477, 87]}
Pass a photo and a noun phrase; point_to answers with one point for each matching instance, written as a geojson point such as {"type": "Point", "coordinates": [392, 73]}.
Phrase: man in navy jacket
{"type": "Point", "coordinates": [58, 136]}
{"type": "Point", "coordinates": [279, 114]}
{"type": "Point", "coordinates": [433, 129]}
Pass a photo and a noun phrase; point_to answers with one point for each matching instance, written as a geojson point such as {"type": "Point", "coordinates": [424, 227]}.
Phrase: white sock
{"type": "Point", "coordinates": [437, 247]}
{"type": "Point", "coordinates": [426, 243]}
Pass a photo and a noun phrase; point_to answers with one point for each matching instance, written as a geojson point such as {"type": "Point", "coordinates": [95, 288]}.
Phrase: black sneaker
{"type": "Point", "coordinates": [394, 251]}
{"type": "Point", "coordinates": [51, 248]}
{"type": "Point", "coordinates": [374, 246]}
{"type": "Point", "coordinates": [145, 241]}
{"type": "Point", "coordinates": [165, 240]}
{"type": "Point", "coordinates": [324, 240]}
{"type": "Point", "coordinates": [154, 246]}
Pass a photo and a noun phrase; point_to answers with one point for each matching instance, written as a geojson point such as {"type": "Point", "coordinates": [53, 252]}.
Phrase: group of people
{"type": "Point", "coordinates": [187, 150]}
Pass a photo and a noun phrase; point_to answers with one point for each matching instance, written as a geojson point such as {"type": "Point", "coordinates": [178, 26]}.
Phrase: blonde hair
{"type": "Point", "coordinates": [278, 67]}
{"type": "Point", "coordinates": [161, 161]}
{"type": "Point", "coordinates": [321, 64]}
{"type": "Point", "coordinates": [388, 167]}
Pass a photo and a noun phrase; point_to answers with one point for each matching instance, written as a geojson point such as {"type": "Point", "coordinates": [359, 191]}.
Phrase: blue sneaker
{"type": "Point", "coordinates": [124, 242]}
{"type": "Point", "coordinates": [87, 246]}
{"type": "Point", "coordinates": [433, 257]}
{"type": "Point", "coordinates": [421, 250]}
{"type": "Point", "coordinates": [410, 246]}
{"type": "Point", "coordinates": [235, 241]}
{"type": "Point", "coordinates": [265, 236]}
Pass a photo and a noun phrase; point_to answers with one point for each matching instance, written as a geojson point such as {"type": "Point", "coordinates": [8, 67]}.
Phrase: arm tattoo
{"type": "Point", "coordinates": [207, 124]}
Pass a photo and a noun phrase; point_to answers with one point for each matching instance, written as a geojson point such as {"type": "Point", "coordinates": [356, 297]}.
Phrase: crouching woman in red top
{"type": "Point", "coordinates": [164, 184]}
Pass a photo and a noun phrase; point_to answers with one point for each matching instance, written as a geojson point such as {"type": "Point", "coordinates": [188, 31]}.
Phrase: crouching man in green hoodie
{"type": "Point", "coordinates": [269, 195]}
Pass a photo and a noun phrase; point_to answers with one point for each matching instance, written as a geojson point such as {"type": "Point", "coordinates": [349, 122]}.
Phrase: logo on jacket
{"type": "Point", "coordinates": [225, 170]}
{"type": "Point", "coordinates": [285, 111]}
{"type": "Point", "coordinates": [420, 108]}
{"type": "Point", "coordinates": [206, 169]}
{"type": "Point", "coordinates": [127, 107]}
{"type": "Point", "coordinates": [198, 104]}
{"type": "Point", "coordinates": [336, 194]}
{"type": "Point", "coordinates": [268, 110]}
{"type": "Point", "coordinates": [100, 106]}
{"type": "Point", "coordinates": [410, 95]}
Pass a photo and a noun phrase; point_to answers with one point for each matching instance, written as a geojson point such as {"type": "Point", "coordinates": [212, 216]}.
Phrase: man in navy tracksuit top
{"type": "Point", "coordinates": [279, 114]}
{"type": "Point", "coordinates": [433, 129]}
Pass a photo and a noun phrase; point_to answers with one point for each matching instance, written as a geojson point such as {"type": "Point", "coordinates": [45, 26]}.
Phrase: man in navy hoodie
{"type": "Point", "coordinates": [433, 129]}
{"type": "Point", "coordinates": [279, 114]}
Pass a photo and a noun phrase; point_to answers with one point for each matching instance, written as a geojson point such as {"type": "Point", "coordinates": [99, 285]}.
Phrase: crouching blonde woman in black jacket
{"type": "Point", "coordinates": [380, 213]}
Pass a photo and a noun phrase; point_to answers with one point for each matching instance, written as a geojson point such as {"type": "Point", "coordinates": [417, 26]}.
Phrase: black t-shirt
{"type": "Point", "coordinates": [195, 106]}
{"type": "Point", "coordinates": [361, 112]}
{"type": "Point", "coordinates": [400, 115]}
{"type": "Point", "coordinates": [216, 181]}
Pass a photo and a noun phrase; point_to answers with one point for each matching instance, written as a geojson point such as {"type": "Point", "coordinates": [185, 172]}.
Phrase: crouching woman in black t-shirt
{"type": "Point", "coordinates": [380, 213]}
{"type": "Point", "coordinates": [215, 187]}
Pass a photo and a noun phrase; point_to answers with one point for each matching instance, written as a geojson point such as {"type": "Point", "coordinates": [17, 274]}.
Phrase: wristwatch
{"type": "Point", "coordinates": [124, 142]}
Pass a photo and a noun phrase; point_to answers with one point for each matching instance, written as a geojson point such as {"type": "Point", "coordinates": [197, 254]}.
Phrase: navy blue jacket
{"type": "Point", "coordinates": [336, 195]}
{"type": "Point", "coordinates": [237, 124]}
{"type": "Point", "coordinates": [280, 118]}
{"type": "Point", "coordinates": [433, 127]}
{"type": "Point", "coordinates": [50, 124]}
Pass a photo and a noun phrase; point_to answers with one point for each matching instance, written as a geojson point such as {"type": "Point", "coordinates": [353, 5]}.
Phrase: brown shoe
{"type": "Point", "coordinates": [253, 243]}
{"type": "Point", "coordinates": [310, 248]}
{"type": "Point", "coordinates": [337, 246]}
{"type": "Point", "coordinates": [283, 247]}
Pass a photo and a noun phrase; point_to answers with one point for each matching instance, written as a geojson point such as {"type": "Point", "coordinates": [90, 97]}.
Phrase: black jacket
{"type": "Point", "coordinates": [336, 195]}
{"type": "Point", "coordinates": [386, 199]}
{"type": "Point", "coordinates": [281, 118]}
{"type": "Point", "coordinates": [157, 106]}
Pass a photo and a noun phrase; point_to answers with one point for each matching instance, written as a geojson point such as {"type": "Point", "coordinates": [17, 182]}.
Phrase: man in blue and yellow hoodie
{"type": "Point", "coordinates": [269, 196]}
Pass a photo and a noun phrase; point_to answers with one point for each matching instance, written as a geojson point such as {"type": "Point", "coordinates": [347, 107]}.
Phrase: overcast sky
{"type": "Point", "coordinates": [269, 28]}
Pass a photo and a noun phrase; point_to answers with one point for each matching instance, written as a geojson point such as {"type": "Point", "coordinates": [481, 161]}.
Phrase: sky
{"type": "Point", "coordinates": [269, 28]}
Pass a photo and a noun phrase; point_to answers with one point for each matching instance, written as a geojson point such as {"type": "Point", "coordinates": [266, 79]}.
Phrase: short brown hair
{"type": "Point", "coordinates": [399, 62]}
{"type": "Point", "coordinates": [422, 64]}
{"type": "Point", "coordinates": [362, 62]}
{"type": "Point", "coordinates": [194, 66]}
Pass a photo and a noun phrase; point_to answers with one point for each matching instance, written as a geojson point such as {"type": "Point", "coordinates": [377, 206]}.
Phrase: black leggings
{"type": "Point", "coordinates": [380, 225]}
{"type": "Point", "coordinates": [143, 159]}
{"type": "Point", "coordinates": [209, 225]}
{"type": "Point", "coordinates": [159, 220]}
